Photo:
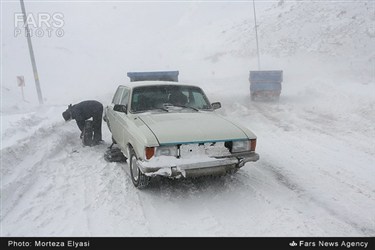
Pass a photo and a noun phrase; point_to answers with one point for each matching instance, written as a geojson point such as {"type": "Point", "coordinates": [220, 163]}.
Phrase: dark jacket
{"type": "Point", "coordinates": [86, 110]}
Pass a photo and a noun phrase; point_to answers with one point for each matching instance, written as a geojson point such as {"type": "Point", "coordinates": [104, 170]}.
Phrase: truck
{"type": "Point", "coordinates": [265, 84]}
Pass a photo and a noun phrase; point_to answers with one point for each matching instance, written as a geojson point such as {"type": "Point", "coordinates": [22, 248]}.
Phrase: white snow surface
{"type": "Point", "coordinates": [316, 173]}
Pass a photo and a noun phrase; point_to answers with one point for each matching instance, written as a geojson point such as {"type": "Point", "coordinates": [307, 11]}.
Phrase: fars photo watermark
{"type": "Point", "coordinates": [39, 25]}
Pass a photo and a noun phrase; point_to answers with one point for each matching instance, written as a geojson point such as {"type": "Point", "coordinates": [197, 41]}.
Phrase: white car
{"type": "Point", "coordinates": [171, 129]}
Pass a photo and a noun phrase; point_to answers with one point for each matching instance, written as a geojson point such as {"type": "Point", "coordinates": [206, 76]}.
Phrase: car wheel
{"type": "Point", "coordinates": [139, 179]}
{"type": "Point", "coordinates": [87, 135]}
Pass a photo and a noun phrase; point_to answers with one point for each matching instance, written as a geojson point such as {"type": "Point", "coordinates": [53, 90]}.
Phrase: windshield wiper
{"type": "Point", "coordinates": [151, 109]}
{"type": "Point", "coordinates": [164, 109]}
{"type": "Point", "coordinates": [182, 106]}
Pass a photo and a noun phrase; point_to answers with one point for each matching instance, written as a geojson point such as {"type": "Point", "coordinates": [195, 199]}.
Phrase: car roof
{"type": "Point", "coordinates": [153, 83]}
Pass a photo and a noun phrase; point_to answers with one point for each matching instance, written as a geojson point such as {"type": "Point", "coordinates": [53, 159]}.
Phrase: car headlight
{"type": "Point", "coordinates": [166, 151]}
{"type": "Point", "coordinates": [241, 146]}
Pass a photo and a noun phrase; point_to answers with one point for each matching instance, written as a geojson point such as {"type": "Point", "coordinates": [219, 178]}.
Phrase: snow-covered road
{"type": "Point", "coordinates": [313, 179]}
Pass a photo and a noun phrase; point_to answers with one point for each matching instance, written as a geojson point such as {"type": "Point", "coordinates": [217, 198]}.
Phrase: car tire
{"type": "Point", "coordinates": [139, 179]}
{"type": "Point", "coordinates": [87, 135]}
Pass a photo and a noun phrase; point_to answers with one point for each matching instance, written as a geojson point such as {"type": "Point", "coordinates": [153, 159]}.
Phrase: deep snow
{"type": "Point", "coordinates": [316, 173]}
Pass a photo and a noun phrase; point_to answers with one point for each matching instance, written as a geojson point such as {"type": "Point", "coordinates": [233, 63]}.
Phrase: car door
{"type": "Point", "coordinates": [121, 119]}
{"type": "Point", "coordinates": [111, 114]}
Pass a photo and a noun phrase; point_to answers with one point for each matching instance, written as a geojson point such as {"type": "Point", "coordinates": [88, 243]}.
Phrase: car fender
{"type": "Point", "coordinates": [140, 136]}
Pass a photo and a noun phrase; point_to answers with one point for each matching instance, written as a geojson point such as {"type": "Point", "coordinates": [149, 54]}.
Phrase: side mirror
{"type": "Point", "coordinates": [120, 108]}
{"type": "Point", "coordinates": [216, 105]}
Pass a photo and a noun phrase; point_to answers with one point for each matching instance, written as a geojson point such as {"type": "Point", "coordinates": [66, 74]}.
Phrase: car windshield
{"type": "Point", "coordinates": [165, 97]}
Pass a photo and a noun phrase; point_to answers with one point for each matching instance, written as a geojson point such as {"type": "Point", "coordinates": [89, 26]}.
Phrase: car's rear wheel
{"type": "Point", "coordinates": [139, 179]}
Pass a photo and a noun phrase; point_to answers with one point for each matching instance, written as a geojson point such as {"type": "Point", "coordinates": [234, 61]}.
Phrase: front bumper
{"type": "Point", "coordinates": [174, 167]}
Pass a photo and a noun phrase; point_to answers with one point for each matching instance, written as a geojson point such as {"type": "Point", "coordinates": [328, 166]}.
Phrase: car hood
{"type": "Point", "coordinates": [182, 128]}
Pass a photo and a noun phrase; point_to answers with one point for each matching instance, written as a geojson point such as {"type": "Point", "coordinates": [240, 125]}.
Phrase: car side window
{"type": "Point", "coordinates": [200, 102]}
{"type": "Point", "coordinates": [117, 96]}
{"type": "Point", "coordinates": [125, 97]}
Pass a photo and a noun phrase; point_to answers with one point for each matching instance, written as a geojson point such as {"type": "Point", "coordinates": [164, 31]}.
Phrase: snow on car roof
{"type": "Point", "coordinates": [152, 83]}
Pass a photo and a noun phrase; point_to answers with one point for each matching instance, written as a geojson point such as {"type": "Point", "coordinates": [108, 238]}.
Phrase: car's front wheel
{"type": "Point", "coordinates": [139, 179]}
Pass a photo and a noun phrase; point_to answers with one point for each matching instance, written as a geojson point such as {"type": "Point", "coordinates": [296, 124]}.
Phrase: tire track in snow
{"type": "Point", "coordinates": [196, 203]}
{"type": "Point", "coordinates": [307, 197]}
{"type": "Point", "coordinates": [359, 187]}
{"type": "Point", "coordinates": [57, 187]}
{"type": "Point", "coordinates": [138, 213]}
{"type": "Point", "coordinates": [197, 190]}
{"type": "Point", "coordinates": [41, 180]}
{"type": "Point", "coordinates": [303, 194]}
{"type": "Point", "coordinates": [21, 163]}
